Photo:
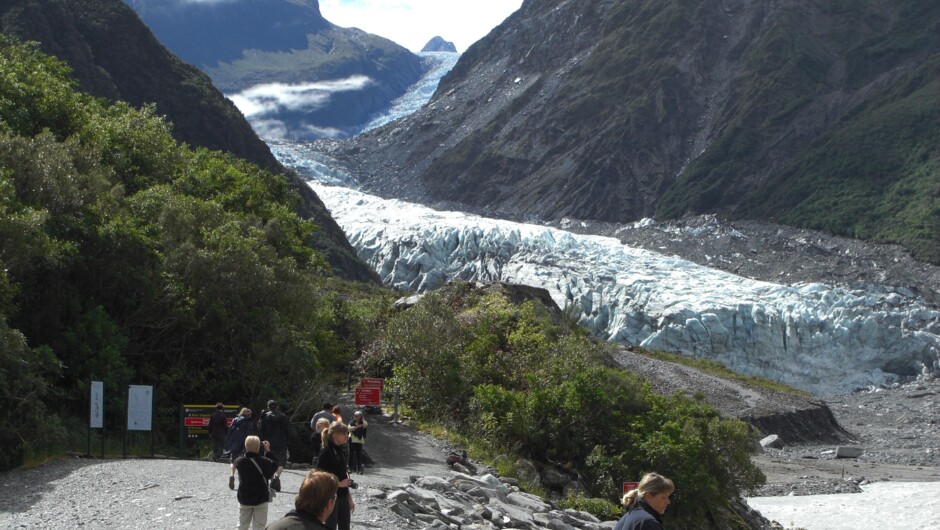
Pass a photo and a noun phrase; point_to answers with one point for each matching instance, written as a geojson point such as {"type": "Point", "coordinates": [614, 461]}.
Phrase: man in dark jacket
{"type": "Point", "coordinates": [218, 428]}
{"type": "Point", "coordinates": [255, 468]}
{"type": "Point", "coordinates": [274, 427]}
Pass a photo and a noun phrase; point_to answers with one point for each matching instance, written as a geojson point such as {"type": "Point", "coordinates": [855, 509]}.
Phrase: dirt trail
{"type": "Point", "coordinates": [172, 494]}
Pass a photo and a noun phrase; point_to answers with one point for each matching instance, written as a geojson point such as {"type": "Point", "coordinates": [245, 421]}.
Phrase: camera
{"type": "Point", "coordinates": [352, 484]}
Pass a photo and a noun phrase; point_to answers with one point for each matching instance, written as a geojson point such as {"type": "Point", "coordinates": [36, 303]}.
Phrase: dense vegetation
{"type": "Point", "coordinates": [510, 377]}
{"type": "Point", "coordinates": [141, 71]}
{"type": "Point", "coordinates": [128, 258]}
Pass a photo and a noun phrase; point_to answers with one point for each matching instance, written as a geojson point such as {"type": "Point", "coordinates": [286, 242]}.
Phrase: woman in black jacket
{"type": "Point", "coordinates": [333, 460]}
{"type": "Point", "coordinates": [646, 504]}
{"type": "Point", "coordinates": [255, 469]}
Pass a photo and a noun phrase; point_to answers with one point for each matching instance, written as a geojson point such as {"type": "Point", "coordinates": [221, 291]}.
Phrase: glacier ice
{"type": "Point", "coordinates": [816, 337]}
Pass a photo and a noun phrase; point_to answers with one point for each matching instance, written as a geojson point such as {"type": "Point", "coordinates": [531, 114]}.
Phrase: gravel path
{"type": "Point", "coordinates": [172, 494]}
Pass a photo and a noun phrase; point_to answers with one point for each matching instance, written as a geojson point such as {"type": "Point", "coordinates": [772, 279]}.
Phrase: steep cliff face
{"type": "Point", "coordinates": [114, 56]}
{"type": "Point", "coordinates": [245, 43]}
{"type": "Point", "coordinates": [819, 114]}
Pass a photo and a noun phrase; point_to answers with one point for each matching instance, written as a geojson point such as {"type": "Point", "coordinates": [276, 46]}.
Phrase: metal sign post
{"type": "Point", "coordinates": [96, 412]}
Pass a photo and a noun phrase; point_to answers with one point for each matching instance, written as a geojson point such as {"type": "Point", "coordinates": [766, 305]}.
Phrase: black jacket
{"type": "Point", "coordinates": [641, 517]}
{"type": "Point", "coordinates": [240, 429]}
{"type": "Point", "coordinates": [333, 460]}
{"type": "Point", "coordinates": [274, 427]}
{"type": "Point", "coordinates": [252, 486]}
{"type": "Point", "coordinates": [218, 425]}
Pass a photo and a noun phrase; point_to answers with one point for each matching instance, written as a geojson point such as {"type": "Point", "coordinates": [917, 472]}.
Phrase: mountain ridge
{"type": "Point", "coordinates": [818, 115]}
{"type": "Point", "coordinates": [246, 43]}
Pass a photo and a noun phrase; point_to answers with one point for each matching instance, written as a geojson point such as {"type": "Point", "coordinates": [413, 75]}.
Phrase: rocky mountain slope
{"type": "Point", "coordinates": [822, 115]}
{"type": "Point", "coordinates": [114, 56]}
{"type": "Point", "coordinates": [245, 43]}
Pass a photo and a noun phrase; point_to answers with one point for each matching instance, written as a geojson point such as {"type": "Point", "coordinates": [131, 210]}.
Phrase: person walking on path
{"type": "Point", "coordinates": [333, 461]}
{"type": "Point", "coordinates": [337, 413]}
{"type": "Point", "coordinates": [255, 468]}
{"type": "Point", "coordinates": [218, 430]}
{"type": "Point", "coordinates": [274, 427]}
{"type": "Point", "coordinates": [357, 440]}
{"type": "Point", "coordinates": [238, 431]}
{"type": "Point", "coordinates": [313, 504]}
{"type": "Point", "coordinates": [646, 504]}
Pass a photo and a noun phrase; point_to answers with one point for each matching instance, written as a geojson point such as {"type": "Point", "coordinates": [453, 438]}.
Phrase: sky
{"type": "Point", "coordinates": [412, 23]}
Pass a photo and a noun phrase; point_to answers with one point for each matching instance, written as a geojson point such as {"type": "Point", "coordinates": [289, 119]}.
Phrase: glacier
{"type": "Point", "coordinates": [821, 338]}
{"type": "Point", "coordinates": [816, 337]}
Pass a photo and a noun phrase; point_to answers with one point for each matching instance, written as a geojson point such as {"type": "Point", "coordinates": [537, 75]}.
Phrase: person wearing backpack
{"type": "Point", "coordinates": [274, 427]}
{"type": "Point", "coordinates": [240, 429]}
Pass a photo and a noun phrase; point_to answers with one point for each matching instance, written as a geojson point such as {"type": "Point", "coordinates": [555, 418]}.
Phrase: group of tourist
{"type": "Point", "coordinates": [324, 499]}
{"type": "Point", "coordinates": [259, 460]}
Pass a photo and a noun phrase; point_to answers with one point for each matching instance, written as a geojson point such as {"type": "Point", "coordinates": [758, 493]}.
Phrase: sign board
{"type": "Point", "coordinates": [139, 408]}
{"type": "Point", "coordinates": [375, 382]}
{"type": "Point", "coordinates": [196, 418]}
{"type": "Point", "coordinates": [367, 396]}
{"type": "Point", "coordinates": [627, 486]}
{"type": "Point", "coordinates": [96, 415]}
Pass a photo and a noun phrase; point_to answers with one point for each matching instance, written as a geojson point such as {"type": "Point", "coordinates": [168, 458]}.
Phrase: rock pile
{"type": "Point", "coordinates": [478, 503]}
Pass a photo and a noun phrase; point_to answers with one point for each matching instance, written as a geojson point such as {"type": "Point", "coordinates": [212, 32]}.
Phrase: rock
{"type": "Point", "coordinates": [848, 451]}
{"type": "Point", "coordinates": [528, 502]}
{"type": "Point", "coordinates": [375, 493]}
{"type": "Point", "coordinates": [403, 511]}
{"type": "Point", "coordinates": [502, 461]}
{"type": "Point", "coordinates": [772, 441]}
{"type": "Point", "coordinates": [435, 484]}
{"type": "Point", "coordinates": [526, 471]}
{"type": "Point", "coordinates": [458, 467]}
{"type": "Point", "coordinates": [552, 478]}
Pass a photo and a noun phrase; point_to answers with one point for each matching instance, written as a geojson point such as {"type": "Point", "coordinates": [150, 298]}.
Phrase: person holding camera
{"type": "Point", "coordinates": [255, 469]}
{"type": "Point", "coordinates": [332, 460]}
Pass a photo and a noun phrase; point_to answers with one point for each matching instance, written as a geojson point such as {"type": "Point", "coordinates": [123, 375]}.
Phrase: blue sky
{"type": "Point", "coordinates": [412, 23]}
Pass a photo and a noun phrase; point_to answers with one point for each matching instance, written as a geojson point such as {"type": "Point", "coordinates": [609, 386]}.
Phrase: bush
{"type": "Point", "coordinates": [506, 375]}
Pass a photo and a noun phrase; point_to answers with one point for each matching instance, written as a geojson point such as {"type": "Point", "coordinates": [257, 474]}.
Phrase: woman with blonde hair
{"type": "Point", "coordinates": [255, 469]}
{"type": "Point", "coordinates": [646, 504]}
{"type": "Point", "coordinates": [333, 461]}
{"type": "Point", "coordinates": [234, 446]}
{"type": "Point", "coordinates": [313, 504]}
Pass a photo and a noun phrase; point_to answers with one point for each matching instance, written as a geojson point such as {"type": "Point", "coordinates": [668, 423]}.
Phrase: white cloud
{"type": "Point", "coordinates": [412, 23]}
{"type": "Point", "coordinates": [270, 98]}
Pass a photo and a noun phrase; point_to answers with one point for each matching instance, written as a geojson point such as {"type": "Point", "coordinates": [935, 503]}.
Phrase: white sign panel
{"type": "Point", "coordinates": [96, 416]}
{"type": "Point", "coordinates": [139, 407]}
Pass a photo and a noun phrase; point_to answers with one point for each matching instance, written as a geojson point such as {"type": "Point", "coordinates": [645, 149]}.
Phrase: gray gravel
{"type": "Point", "coordinates": [172, 494]}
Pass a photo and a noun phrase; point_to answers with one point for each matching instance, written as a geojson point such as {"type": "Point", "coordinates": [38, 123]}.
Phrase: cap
{"type": "Point", "coordinates": [357, 413]}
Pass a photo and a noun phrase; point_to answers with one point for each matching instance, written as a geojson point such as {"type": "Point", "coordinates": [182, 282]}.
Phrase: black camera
{"type": "Point", "coordinates": [352, 484]}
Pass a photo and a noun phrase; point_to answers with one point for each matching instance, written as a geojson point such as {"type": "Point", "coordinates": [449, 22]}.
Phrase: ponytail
{"type": "Point", "coordinates": [652, 483]}
{"type": "Point", "coordinates": [629, 499]}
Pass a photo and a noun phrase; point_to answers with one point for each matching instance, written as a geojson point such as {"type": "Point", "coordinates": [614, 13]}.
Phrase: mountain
{"type": "Point", "coordinates": [818, 114]}
{"type": "Point", "coordinates": [438, 44]}
{"type": "Point", "coordinates": [337, 77]}
{"type": "Point", "coordinates": [141, 71]}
